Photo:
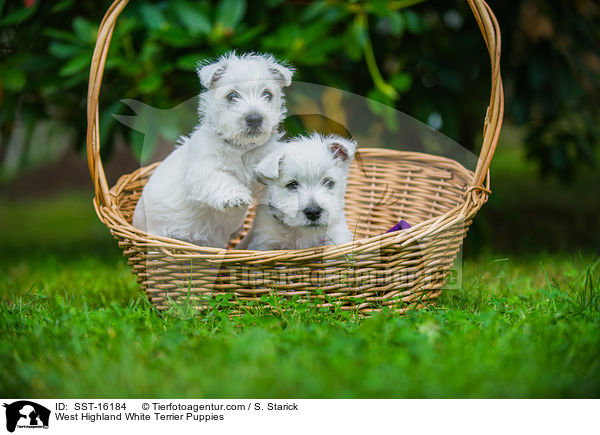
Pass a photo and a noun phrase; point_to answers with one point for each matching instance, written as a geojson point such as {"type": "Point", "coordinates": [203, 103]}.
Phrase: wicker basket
{"type": "Point", "coordinates": [397, 271]}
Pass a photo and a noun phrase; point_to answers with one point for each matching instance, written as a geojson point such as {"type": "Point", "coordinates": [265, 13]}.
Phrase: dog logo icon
{"type": "Point", "coordinates": [26, 414]}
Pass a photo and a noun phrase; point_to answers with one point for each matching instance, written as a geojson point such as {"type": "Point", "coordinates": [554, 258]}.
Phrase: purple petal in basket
{"type": "Point", "coordinates": [402, 225]}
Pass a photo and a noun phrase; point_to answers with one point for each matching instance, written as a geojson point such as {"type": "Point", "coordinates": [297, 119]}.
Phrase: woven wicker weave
{"type": "Point", "coordinates": [400, 271]}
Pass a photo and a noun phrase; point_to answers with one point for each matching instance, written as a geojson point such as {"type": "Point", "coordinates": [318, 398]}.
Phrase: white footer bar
{"type": "Point", "coordinates": [254, 416]}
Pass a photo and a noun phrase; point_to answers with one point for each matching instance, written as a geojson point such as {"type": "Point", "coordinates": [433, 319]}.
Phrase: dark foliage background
{"type": "Point", "coordinates": [425, 58]}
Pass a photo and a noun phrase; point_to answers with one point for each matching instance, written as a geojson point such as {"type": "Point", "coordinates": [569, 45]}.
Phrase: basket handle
{"type": "Point", "coordinates": [493, 118]}
{"type": "Point", "coordinates": [105, 31]}
{"type": "Point", "coordinates": [491, 128]}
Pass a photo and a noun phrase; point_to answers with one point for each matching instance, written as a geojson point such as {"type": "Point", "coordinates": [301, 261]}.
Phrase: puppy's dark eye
{"type": "Point", "coordinates": [268, 95]}
{"type": "Point", "coordinates": [328, 183]}
{"type": "Point", "coordinates": [232, 96]}
{"type": "Point", "coordinates": [292, 185]}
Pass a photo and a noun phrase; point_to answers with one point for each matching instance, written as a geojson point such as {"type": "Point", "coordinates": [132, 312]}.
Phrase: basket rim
{"type": "Point", "coordinates": [114, 219]}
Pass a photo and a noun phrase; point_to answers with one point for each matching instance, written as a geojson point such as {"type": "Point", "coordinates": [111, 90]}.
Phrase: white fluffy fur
{"type": "Point", "coordinates": [312, 162]}
{"type": "Point", "coordinates": [201, 192]}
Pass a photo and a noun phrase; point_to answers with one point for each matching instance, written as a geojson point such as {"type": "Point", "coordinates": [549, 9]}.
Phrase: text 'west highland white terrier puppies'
{"type": "Point", "coordinates": [302, 204]}
{"type": "Point", "coordinates": [201, 192]}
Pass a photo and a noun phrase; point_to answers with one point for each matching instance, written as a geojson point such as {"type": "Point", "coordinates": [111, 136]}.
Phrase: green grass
{"type": "Point", "coordinates": [73, 323]}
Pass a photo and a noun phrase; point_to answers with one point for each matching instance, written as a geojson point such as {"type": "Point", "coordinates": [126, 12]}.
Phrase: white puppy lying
{"type": "Point", "coordinates": [302, 204]}
{"type": "Point", "coordinates": [201, 192]}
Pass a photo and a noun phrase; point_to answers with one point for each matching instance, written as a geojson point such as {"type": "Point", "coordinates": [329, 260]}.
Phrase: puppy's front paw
{"type": "Point", "coordinates": [238, 200]}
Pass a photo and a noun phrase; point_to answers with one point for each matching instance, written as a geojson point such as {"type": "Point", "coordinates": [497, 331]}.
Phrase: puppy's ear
{"type": "Point", "coordinates": [283, 74]}
{"type": "Point", "coordinates": [268, 168]}
{"type": "Point", "coordinates": [212, 72]}
{"type": "Point", "coordinates": [342, 149]}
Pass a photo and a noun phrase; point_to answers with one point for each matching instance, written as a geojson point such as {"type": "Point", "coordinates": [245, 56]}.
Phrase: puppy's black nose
{"type": "Point", "coordinates": [312, 212]}
{"type": "Point", "coordinates": [254, 120]}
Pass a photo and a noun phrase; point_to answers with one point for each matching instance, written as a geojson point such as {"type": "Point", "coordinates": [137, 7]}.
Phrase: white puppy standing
{"type": "Point", "coordinates": [303, 203]}
{"type": "Point", "coordinates": [201, 192]}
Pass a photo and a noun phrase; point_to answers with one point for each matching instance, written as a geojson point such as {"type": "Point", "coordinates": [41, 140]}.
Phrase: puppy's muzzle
{"type": "Point", "coordinates": [312, 213]}
{"type": "Point", "coordinates": [254, 121]}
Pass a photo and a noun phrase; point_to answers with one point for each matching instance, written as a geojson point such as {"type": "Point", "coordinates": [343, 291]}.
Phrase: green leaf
{"type": "Point", "coordinates": [13, 80]}
{"type": "Point", "coordinates": [359, 32]}
{"type": "Point", "coordinates": [150, 83]}
{"type": "Point", "coordinates": [351, 46]}
{"type": "Point", "coordinates": [61, 6]}
{"type": "Point", "coordinates": [283, 39]}
{"type": "Point", "coordinates": [230, 12]}
{"type": "Point", "coordinates": [150, 52]}
{"type": "Point", "coordinates": [63, 51]}
{"type": "Point", "coordinates": [18, 16]}
{"type": "Point", "coordinates": [247, 36]}
{"type": "Point", "coordinates": [61, 34]}
{"type": "Point", "coordinates": [75, 80]}
{"type": "Point", "coordinates": [397, 24]}
{"type": "Point", "coordinates": [192, 18]}
{"type": "Point", "coordinates": [402, 82]}
{"type": "Point", "coordinates": [401, 4]}
{"type": "Point", "coordinates": [152, 16]}
{"type": "Point", "coordinates": [314, 11]}
{"type": "Point", "coordinates": [126, 25]}
{"type": "Point", "coordinates": [378, 101]}
{"type": "Point", "coordinates": [124, 66]}
{"type": "Point", "coordinates": [188, 62]}
{"type": "Point", "coordinates": [319, 53]}
{"type": "Point", "coordinates": [176, 36]}
{"type": "Point", "coordinates": [75, 65]}
{"type": "Point", "coordinates": [414, 22]}
{"type": "Point", "coordinates": [379, 7]}
{"type": "Point", "coordinates": [84, 29]}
